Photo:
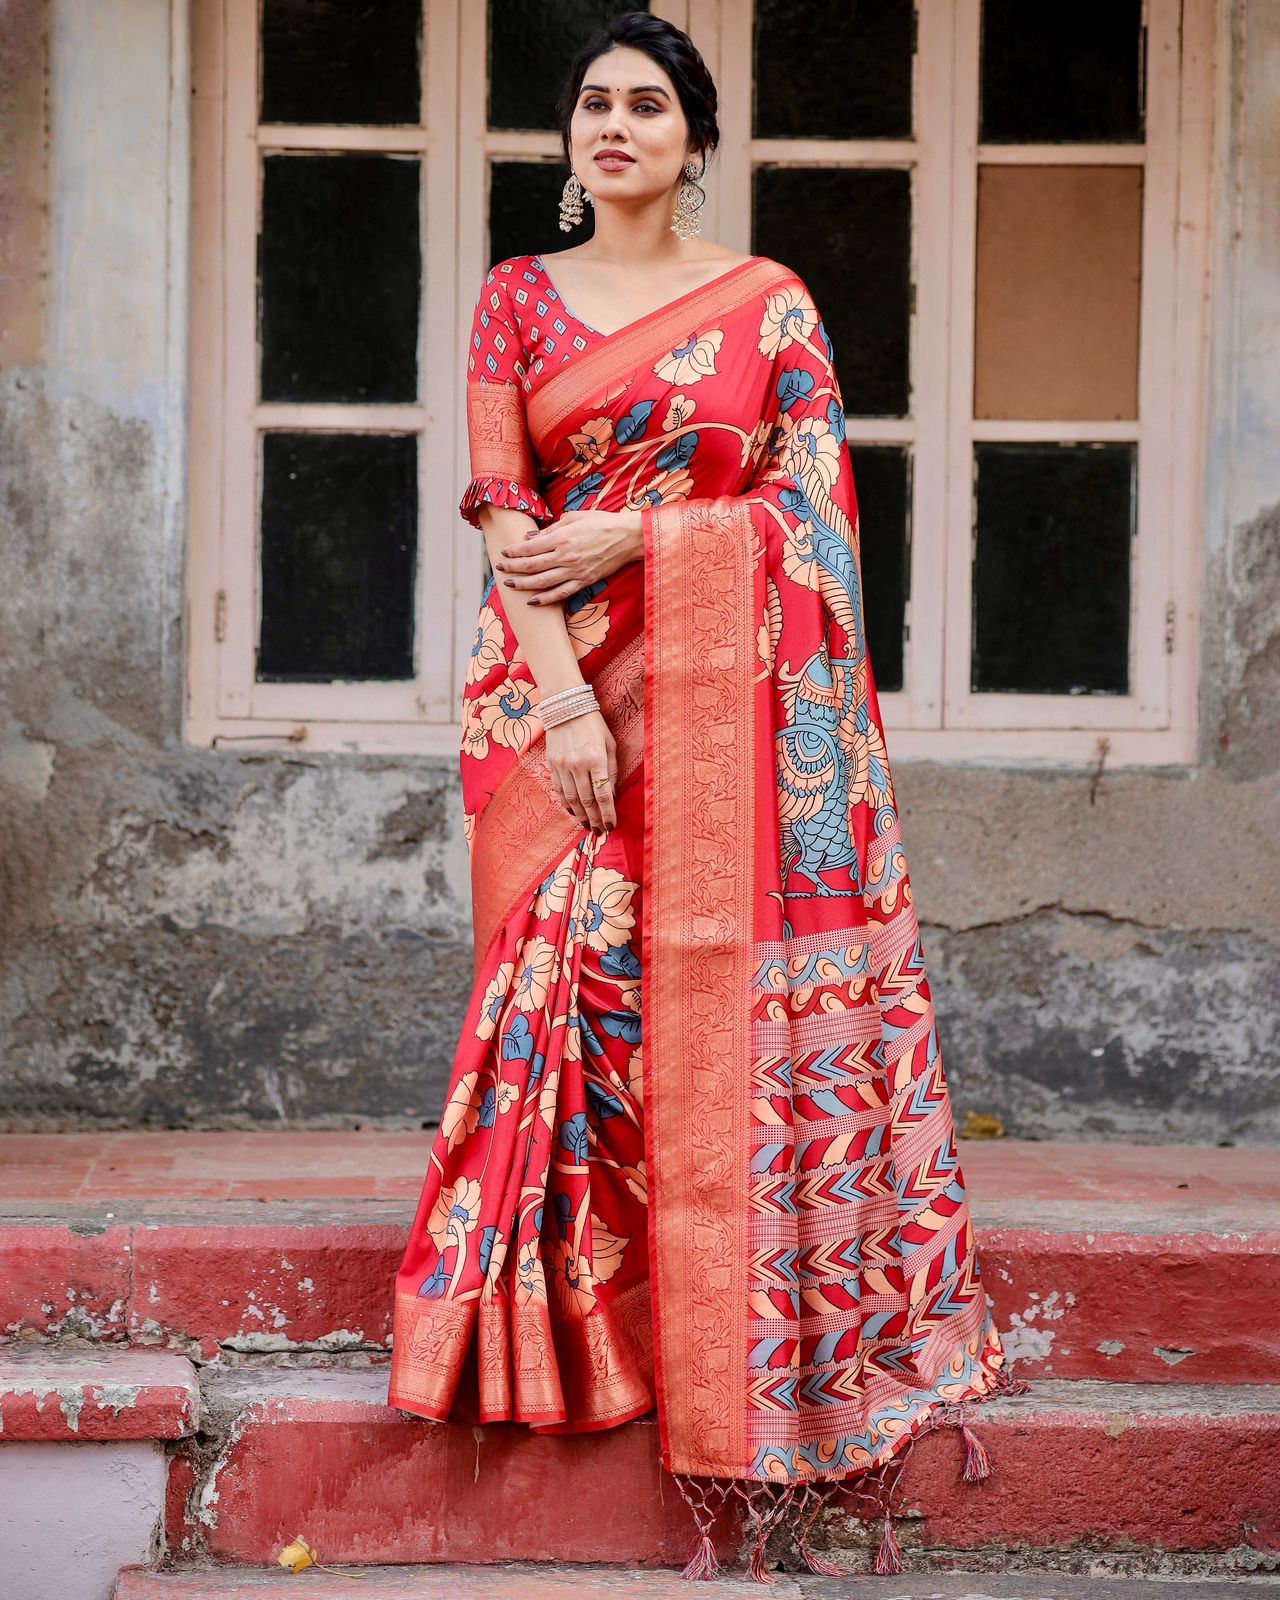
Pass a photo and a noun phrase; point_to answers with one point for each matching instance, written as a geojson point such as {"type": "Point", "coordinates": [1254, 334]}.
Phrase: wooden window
{"type": "Point", "coordinates": [327, 559]}
{"type": "Point", "coordinates": [1001, 210]}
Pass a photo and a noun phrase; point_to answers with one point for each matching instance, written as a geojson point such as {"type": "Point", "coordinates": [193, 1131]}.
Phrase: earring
{"type": "Point", "coordinates": [689, 201]}
{"type": "Point", "coordinates": [571, 203]}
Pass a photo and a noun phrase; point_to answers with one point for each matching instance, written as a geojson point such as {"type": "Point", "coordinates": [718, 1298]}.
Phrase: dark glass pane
{"type": "Point", "coordinates": [1057, 74]}
{"type": "Point", "coordinates": [530, 47]}
{"type": "Point", "coordinates": [524, 209]}
{"type": "Point", "coordinates": [833, 72]}
{"type": "Point", "coordinates": [339, 546]}
{"type": "Point", "coordinates": [341, 60]}
{"type": "Point", "coordinates": [882, 475]}
{"type": "Point", "coordinates": [854, 252]}
{"type": "Point", "coordinates": [1055, 524]}
{"type": "Point", "coordinates": [340, 263]}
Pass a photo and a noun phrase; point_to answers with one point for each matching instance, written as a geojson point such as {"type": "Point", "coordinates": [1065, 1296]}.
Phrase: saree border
{"type": "Point", "coordinates": [578, 382]}
{"type": "Point", "coordinates": [524, 830]}
{"type": "Point", "coordinates": [698, 943]}
{"type": "Point", "coordinates": [498, 443]}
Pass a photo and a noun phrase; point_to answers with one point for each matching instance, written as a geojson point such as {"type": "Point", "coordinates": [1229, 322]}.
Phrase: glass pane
{"type": "Point", "coordinates": [1055, 74]}
{"type": "Point", "coordinates": [882, 476]}
{"type": "Point", "coordinates": [530, 47]}
{"type": "Point", "coordinates": [340, 261]}
{"type": "Point", "coordinates": [854, 252]}
{"type": "Point", "coordinates": [833, 72]}
{"type": "Point", "coordinates": [341, 60]}
{"type": "Point", "coordinates": [524, 209]}
{"type": "Point", "coordinates": [1059, 281]}
{"type": "Point", "coordinates": [1055, 525]}
{"type": "Point", "coordinates": [339, 547]}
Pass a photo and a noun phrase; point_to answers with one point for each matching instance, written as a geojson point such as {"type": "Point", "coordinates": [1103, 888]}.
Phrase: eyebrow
{"type": "Point", "coordinates": [643, 88]}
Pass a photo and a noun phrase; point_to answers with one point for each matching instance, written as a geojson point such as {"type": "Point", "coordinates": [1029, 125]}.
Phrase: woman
{"type": "Point", "coordinates": [697, 1150]}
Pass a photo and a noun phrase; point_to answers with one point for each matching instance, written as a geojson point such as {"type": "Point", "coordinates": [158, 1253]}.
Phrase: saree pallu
{"type": "Point", "coordinates": [698, 1149]}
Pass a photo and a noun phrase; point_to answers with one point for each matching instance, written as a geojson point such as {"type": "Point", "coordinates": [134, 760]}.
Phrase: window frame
{"type": "Point", "coordinates": [225, 704]}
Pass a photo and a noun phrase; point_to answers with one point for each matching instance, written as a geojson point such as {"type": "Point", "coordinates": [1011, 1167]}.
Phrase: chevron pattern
{"type": "Point", "coordinates": [862, 1259]}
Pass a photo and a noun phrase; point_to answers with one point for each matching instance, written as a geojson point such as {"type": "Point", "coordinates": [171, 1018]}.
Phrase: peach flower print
{"type": "Point", "coordinates": [692, 361]}
{"type": "Point", "coordinates": [495, 997]}
{"type": "Point", "coordinates": [607, 917]}
{"type": "Point", "coordinates": [461, 1112]}
{"type": "Point", "coordinates": [537, 967]}
{"type": "Point", "coordinates": [455, 1213]}
{"type": "Point", "coordinates": [488, 647]}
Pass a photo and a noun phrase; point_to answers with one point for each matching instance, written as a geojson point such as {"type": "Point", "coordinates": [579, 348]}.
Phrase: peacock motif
{"type": "Point", "coordinates": [814, 776]}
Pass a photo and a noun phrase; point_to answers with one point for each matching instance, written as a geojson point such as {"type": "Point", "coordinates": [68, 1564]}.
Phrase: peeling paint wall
{"type": "Point", "coordinates": [205, 938]}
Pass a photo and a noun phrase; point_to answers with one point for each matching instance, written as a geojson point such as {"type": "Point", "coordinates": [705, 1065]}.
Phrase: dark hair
{"type": "Point", "coordinates": [673, 50]}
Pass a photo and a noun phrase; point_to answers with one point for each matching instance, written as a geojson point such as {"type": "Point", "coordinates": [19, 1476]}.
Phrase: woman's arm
{"type": "Point", "coordinates": [581, 547]}
{"type": "Point", "coordinates": [541, 630]}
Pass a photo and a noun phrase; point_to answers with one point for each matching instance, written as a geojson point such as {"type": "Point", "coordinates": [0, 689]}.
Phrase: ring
{"type": "Point", "coordinates": [600, 782]}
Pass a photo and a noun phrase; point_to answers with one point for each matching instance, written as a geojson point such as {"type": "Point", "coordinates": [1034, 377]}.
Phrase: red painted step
{"type": "Point", "coordinates": [56, 1394]}
{"type": "Point", "coordinates": [1103, 1261]}
{"type": "Point", "coordinates": [317, 1454]}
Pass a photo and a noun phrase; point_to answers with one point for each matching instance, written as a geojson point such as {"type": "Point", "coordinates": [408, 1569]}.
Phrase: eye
{"type": "Point", "coordinates": [595, 100]}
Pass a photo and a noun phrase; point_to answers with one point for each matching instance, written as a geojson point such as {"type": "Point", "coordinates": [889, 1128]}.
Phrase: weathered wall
{"type": "Point", "coordinates": [212, 938]}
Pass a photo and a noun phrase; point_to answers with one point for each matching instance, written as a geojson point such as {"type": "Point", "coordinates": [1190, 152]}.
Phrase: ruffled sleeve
{"type": "Point", "coordinates": [504, 470]}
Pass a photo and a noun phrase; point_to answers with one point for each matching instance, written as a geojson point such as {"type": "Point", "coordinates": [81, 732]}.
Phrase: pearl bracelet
{"type": "Point", "coordinates": [567, 703]}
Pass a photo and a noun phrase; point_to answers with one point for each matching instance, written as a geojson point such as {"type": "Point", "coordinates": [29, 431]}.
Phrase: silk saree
{"type": "Point", "coordinates": [697, 1151]}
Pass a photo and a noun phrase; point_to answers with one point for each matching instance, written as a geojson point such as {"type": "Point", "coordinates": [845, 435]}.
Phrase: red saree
{"type": "Point", "coordinates": [698, 1149]}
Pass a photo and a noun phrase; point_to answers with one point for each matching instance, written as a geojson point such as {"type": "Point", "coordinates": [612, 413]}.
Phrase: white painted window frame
{"type": "Point", "coordinates": [934, 717]}
{"type": "Point", "coordinates": [225, 705]}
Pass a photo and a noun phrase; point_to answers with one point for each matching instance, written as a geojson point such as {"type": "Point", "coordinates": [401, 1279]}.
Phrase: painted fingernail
{"type": "Point", "coordinates": [509, 583]}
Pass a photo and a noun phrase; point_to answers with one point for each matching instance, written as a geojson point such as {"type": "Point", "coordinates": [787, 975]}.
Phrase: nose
{"type": "Point", "coordinates": [615, 123]}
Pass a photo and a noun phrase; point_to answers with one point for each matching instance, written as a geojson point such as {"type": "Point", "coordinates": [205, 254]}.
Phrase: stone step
{"type": "Point", "coordinates": [83, 1464]}
{"type": "Point", "coordinates": [524, 1581]}
{"type": "Point", "coordinates": [1103, 1261]}
{"type": "Point", "coordinates": [1143, 1470]}
{"type": "Point", "coordinates": [57, 1394]}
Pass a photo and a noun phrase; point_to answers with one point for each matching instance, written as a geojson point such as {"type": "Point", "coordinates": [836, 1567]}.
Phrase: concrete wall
{"type": "Point", "coordinates": [74, 1514]}
{"type": "Point", "coordinates": [211, 939]}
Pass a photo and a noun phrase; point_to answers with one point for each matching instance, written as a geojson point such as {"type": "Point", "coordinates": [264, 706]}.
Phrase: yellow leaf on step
{"type": "Point", "coordinates": [298, 1555]}
{"type": "Point", "coordinates": [982, 1125]}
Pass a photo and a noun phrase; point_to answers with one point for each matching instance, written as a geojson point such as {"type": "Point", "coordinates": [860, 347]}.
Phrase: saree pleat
{"type": "Point", "coordinates": [698, 1150]}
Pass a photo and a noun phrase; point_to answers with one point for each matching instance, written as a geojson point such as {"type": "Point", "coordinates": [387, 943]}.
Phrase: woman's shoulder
{"type": "Point", "coordinates": [509, 268]}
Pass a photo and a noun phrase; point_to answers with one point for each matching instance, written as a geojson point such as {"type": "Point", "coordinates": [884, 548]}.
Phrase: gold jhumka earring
{"type": "Point", "coordinates": [571, 203]}
{"type": "Point", "coordinates": [690, 200]}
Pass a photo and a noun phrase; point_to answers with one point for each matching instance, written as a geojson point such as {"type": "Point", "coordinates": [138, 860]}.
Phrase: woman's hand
{"type": "Point", "coordinates": [578, 548]}
{"type": "Point", "coordinates": [577, 752]}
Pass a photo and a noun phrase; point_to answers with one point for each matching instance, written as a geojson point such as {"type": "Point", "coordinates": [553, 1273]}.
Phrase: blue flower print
{"type": "Point", "coordinates": [433, 1288]}
{"type": "Point", "coordinates": [602, 1102]}
{"type": "Point", "coordinates": [517, 1041]}
{"type": "Point", "coordinates": [573, 1136]}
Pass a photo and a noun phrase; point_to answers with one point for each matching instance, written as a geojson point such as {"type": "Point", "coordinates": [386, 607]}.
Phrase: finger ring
{"type": "Point", "coordinates": [600, 782]}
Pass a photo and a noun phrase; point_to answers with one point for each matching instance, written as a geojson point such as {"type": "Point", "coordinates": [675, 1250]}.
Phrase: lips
{"type": "Point", "coordinates": [614, 159]}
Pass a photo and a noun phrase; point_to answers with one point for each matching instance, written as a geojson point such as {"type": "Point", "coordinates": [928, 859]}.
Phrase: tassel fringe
{"type": "Point", "coordinates": [796, 1505]}
{"type": "Point", "coordinates": [702, 1563]}
{"type": "Point", "coordinates": [888, 1556]}
{"type": "Point", "coordinates": [977, 1458]}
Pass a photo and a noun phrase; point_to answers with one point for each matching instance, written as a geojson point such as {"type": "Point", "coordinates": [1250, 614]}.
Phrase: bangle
{"type": "Point", "coordinates": [567, 703]}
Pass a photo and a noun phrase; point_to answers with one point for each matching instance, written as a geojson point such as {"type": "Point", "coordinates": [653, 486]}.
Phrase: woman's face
{"type": "Point", "coordinates": [628, 107]}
